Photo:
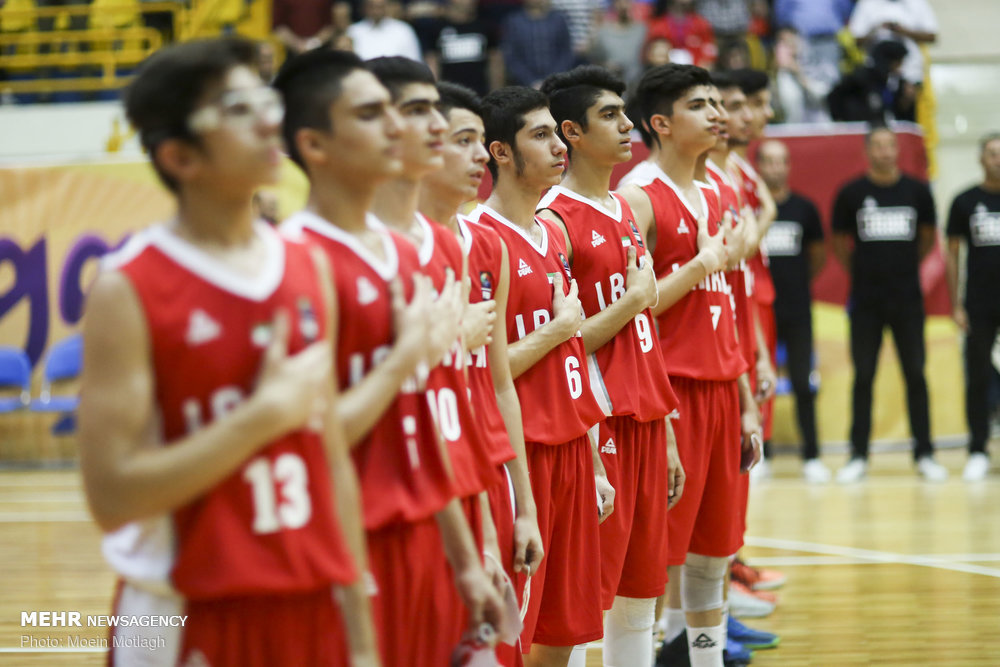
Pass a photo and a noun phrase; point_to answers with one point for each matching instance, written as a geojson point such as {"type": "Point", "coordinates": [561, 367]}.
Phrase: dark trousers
{"type": "Point", "coordinates": [906, 321]}
{"type": "Point", "coordinates": [796, 334]}
{"type": "Point", "coordinates": [983, 330]}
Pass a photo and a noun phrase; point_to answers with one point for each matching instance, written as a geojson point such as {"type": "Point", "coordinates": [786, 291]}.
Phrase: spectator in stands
{"type": "Point", "coordinates": [760, 20]}
{"type": "Point", "coordinates": [580, 16]}
{"type": "Point", "coordinates": [734, 55]}
{"type": "Point", "coordinates": [875, 93]}
{"type": "Point", "coordinates": [302, 25]}
{"type": "Point", "coordinates": [794, 245]}
{"type": "Point", "coordinates": [267, 60]}
{"type": "Point", "coordinates": [378, 34]}
{"type": "Point", "coordinates": [618, 44]}
{"type": "Point", "coordinates": [677, 22]}
{"type": "Point", "coordinates": [817, 22]}
{"type": "Point", "coordinates": [496, 12]}
{"type": "Point", "coordinates": [658, 51]}
{"type": "Point", "coordinates": [730, 19]}
{"type": "Point", "coordinates": [536, 43]}
{"type": "Point", "coordinates": [797, 98]}
{"type": "Point", "coordinates": [464, 49]}
{"type": "Point", "coordinates": [911, 22]}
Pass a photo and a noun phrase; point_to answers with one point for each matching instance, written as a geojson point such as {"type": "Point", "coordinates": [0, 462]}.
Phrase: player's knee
{"type": "Point", "coordinates": [633, 614]}
{"type": "Point", "coordinates": [701, 582]}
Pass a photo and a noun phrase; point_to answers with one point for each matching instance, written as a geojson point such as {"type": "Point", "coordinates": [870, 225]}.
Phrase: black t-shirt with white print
{"type": "Point", "coordinates": [787, 241]}
{"type": "Point", "coordinates": [975, 217]}
{"type": "Point", "coordinates": [883, 221]}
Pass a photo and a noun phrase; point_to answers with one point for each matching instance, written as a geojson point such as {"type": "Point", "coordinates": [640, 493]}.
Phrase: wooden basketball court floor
{"type": "Point", "coordinates": [892, 571]}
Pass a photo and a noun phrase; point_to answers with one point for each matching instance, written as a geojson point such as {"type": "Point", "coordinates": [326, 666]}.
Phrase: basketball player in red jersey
{"type": "Point", "coordinates": [680, 220]}
{"type": "Point", "coordinates": [207, 357]}
{"type": "Point", "coordinates": [548, 363]}
{"type": "Point", "coordinates": [342, 128]}
{"type": "Point", "coordinates": [414, 94]}
{"type": "Point", "coordinates": [517, 543]}
{"type": "Point", "coordinates": [617, 288]}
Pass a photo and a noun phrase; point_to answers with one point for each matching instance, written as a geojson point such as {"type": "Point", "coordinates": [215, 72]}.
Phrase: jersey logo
{"type": "Point", "coordinates": [595, 238]}
{"type": "Point", "coordinates": [260, 335]}
{"type": "Point", "coordinates": [201, 328]}
{"type": "Point", "coordinates": [609, 447]}
{"type": "Point", "coordinates": [565, 263]}
{"type": "Point", "coordinates": [683, 228]}
{"type": "Point", "coordinates": [367, 293]}
{"type": "Point", "coordinates": [635, 232]}
{"type": "Point", "coordinates": [523, 269]}
{"type": "Point", "coordinates": [308, 324]}
{"type": "Point", "coordinates": [486, 284]}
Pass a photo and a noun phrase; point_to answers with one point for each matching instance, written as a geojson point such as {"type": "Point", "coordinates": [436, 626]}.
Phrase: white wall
{"type": "Point", "coordinates": [36, 133]}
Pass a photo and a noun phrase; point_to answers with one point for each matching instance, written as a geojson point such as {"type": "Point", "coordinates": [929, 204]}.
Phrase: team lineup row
{"type": "Point", "coordinates": [393, 434]}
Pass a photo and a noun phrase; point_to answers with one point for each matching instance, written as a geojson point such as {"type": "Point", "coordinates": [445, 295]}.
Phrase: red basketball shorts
{"type": "Point", "coordinates": [634, 537]}
{"type": "Point", "coordinates": [564, 598]}
{"type": "Point", "coordinates": [501, 497]}
{"type": "Point", "coordinates": [245, 631]}
{"type": "Point", "coordinates": [707, 519]}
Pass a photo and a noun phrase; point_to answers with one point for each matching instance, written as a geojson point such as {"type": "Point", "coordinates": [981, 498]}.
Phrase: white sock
{"type": "Point", "coordinates": [705, 646]}
{"type": "Point", "coordinates": [628, 632]}
{"type": "Point", "coordinates": [578, 658]}
{"type": "Point", "coordinates": [725, 623]}
{"type": "Point", "coordinates": [676, 621]}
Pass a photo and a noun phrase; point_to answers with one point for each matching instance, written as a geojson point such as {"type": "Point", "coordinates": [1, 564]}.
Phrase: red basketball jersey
{"type": "Point", "coordinates": [698, 333]}
{"type": "Point", "coordinates": [763, 285]}
{"type": "Point", "coordinates": [600, 240]}
{"type": "Point", "coordinates": [270, 526]}
{"type": "Point", "coordinates": [557, 404]}
{"type": "Point", "coordinates": [403, 472]}
{"type": "Point", "coordinates": [482, 245]}
{"type": "Point", "coordinates": [741, 280]}
{"type": "Point", "coordinates": [447, 388]}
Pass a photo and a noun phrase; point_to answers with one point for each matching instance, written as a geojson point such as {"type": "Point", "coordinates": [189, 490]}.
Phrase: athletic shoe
{"type": "Point", "coordinates": [744, 604]}
{"type": "Point", "coordinates": [750, 638]}
{"type": "Point", "coordinates": [931, 470]}
{"type": "Point", "coordinates": [976, 468]}
{"type": "Point", "coordinates": [736, 651]}
{"type": "Point", "coordinates": [854, 471]}
{"type": "Point", "coordinates": [816, 472]}
{"type": "Point", "coordinates": [762, 470]}
{"type": "Point", "coordinates": [757, 579]}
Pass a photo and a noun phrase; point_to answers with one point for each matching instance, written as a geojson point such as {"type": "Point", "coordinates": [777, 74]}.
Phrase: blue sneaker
{"type": "Point", "coordinates": [736, 652]}
{"type": "Point", "coordinates": [750, 638]}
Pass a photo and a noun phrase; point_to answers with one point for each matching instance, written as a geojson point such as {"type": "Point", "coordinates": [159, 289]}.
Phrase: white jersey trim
{"type": "Point", "coordinates": [721, 173]}
{"type": "Point", "coordinates": [662, 175]}
{"type": "Point", "coordinates": [426, 250]}
{"type": "Point", "coordinates": [195, 260]}
{"type": "Point", "coordinates": [542, 249]}
{"type": "Point", "coordinates": [465, 232]}
{"type": "Point", "coordinates": [557, 190]}
{"type": "Point", "coordinates": [745, 166]}
{"type": "Point", "coordinates": [386, 269]}
{"type": "Point", "coordinates": [641, 174]}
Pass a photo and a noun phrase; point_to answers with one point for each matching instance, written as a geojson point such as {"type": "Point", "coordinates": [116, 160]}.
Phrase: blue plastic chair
{"type": "Point", "coordinates": [15, 371]}
{"type": "Point", "coordinates": [63, 362]}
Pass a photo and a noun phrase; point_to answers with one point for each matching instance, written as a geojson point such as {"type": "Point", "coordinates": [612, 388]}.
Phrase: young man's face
{"type": "Point", "coordinates": [607, 139]}
{"type": "Point", "coordinates": [364, 145]}
{"type": "Point", "coordinates": [694, 125]}
{"type": "Point", "coordinates": [423, 129]}
{"type": "Point", "coordinates": [773, 164]}
{"type": "Point", "coordinates": [539, 157]}
{"type": "Point", "coordinates": [991, 159]}
{"type": "Point", "coordinates": [763, 112]}
{"type": "Point", "coordinates": [739, 114]}
{"type": "Point", "coordinates": [715, 99]}
{"type": "Point", "coordinates": [238, 123]}
{"type": "Point", "coordinates": [883, 152]}
{"type": "Point", "coordinates": [465, 157]}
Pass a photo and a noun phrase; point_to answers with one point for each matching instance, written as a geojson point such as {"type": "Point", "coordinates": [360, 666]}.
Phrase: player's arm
{"type": "Point", "coordinates": [768, 209]}
{"type": "Point", "coordinates": [926, 238]}
{"type": "Point", "coordinates": [749, 420]}
{"type": "Point", "coordinates": [712, 256]}
{"type": "Point", "coordinates": [952, 260]}
{"type": "Point", "coordinates": [476, 591]}
{"type": "Point", "coordinates": [844, 222]}
{"type": "Point", "coordinates": [766, 378]}
{"type": "Point", "coordinates": [127, 474]}
{"type": "Point", "coordinates": [816, 253]}
{"type": "Point", "coordinates": [565, 323]}
{"type": "Point", "coordinates": [676, 475]}
{"type": "Point", "coordinates": [347, 497]}
{"type": "Point", "coordinates": [362, 405]}
{"type": "Point", "coordinates": [528, 551]}
{"type": "Point", "coordinates": [605, 491]}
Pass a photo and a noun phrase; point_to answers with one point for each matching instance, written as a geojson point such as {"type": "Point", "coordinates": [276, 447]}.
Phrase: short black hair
{"type": "Point", "coordinates": [750, 81]}
{"type": "Point", "coordinates": [309, 83]}
{"type": "Point", "coordinates": [172, 81]}
{"type": "Point", "coordinates": [503, 115]}
{"type": "Point", "coordinates": [572, 93]}
{"type": "Point", "coordinates": [659, 88]}
{"type": "Point", "coordinates": [457, 96]}
{"type": "Point", "coordinates": [724, 80]}
{"type": "Point", "coordinates": [396, 71]}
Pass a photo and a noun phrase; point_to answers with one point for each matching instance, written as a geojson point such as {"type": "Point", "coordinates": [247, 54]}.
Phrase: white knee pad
{"type": "Point", "coordinates": [701, 582]}
{"type": "Point", "coordinates": [633, 614]}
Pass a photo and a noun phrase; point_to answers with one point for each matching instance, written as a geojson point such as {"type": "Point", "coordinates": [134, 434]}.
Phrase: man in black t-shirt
{"type": "Point", "coordinates": [462, 48]}
{"type": "Point", "coordinates": [794, 244]}
{"type": "Point", "coordinates": [890, 218]}
{"type": "Point", "coordinates": [974, 221]}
